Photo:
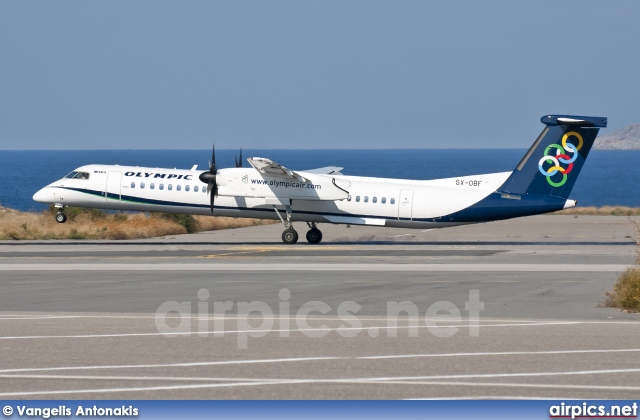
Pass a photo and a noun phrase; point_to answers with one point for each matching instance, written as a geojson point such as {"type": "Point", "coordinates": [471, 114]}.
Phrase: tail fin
{"type": "Point", "coordinates": [552, 164]}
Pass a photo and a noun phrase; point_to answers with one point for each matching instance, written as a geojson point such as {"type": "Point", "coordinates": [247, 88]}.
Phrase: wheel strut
{"type": "Point", "coordinates": [289, 236]}
{"type": "Point", "coordinates": [287, 223]}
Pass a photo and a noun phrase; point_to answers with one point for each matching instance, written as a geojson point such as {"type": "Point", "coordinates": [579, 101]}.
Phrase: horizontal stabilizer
{"type": "Point", "coordinates": [574, 120]}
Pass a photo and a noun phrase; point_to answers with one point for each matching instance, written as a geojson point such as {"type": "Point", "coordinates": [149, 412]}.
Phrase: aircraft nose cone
{"type": "Point", "coordinates": [41, 196]}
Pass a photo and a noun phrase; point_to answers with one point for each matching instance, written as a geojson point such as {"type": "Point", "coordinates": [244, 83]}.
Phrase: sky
{"type": "Point", "coordinates": [352, 74]}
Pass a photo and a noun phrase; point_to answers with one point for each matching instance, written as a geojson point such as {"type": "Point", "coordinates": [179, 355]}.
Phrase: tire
{"type": "Point", "coordinates": [314, 236]}
{"type": "Point", "coordinates": [289, 236]}
{"type": "Point", "coordinates": [61, 217]}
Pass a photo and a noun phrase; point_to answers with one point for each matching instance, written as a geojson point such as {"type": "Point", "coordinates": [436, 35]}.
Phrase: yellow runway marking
{"type": "Point", "coordinates": [261, 250]}
{"type": "Point", "coordinates": [501, 281]}
{"type": "Point", "coordinates": [431, 281]}
{"type": "Point", "coordinates": [294, 248]}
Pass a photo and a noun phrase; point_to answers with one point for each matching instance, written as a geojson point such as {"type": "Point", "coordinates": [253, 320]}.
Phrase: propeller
{"type": "Point", "coordinates": [209, 178]}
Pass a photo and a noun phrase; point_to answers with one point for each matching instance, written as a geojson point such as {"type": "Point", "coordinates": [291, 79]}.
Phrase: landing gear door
{"type": "Point", "coordinates": [405, 204]}
{"type": "Point", "coordinates": [114, 183]}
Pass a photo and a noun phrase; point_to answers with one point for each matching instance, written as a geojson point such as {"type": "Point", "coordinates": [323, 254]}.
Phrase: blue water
{"type": "Point", "coordinates": [607, 178]}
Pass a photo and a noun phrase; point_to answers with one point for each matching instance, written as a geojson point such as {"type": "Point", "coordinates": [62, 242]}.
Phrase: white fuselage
{"type": "Point", "coordinates": [245, 192]}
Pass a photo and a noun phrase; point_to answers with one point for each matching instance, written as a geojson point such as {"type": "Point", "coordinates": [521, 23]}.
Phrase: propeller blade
{"type": "Point", "coordinates": [211, 198]}
{"type": "Point", "coordinates": [212, 165]}
{"type": "Point", "coordinates": [209, 178]}
{"type": "Point", "coordinates": [239, 161]}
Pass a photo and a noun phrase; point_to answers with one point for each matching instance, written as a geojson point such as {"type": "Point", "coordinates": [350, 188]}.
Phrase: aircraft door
{"type": "Point", "coordinates": [405, 204]}
{"type": "Point", "coordinates": [114, 183]}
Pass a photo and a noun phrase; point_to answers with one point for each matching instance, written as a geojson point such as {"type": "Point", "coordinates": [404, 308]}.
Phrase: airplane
{"type": "Point", "coordinates": [540, 183]}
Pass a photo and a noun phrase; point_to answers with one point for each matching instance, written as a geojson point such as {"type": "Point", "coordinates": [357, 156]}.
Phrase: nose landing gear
{"type": "Point", "coordinates": [60, 216]}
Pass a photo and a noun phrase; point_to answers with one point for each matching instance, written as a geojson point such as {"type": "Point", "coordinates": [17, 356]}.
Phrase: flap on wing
{"type": "Point", "coordinates": [327, 170]}
{"type": "Point", "coordinates": [267, 166]}
{"type": "Point", "coordinates": [352, 220]}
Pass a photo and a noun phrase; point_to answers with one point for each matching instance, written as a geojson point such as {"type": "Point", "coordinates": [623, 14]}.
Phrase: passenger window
{"type": "Point", "coordinates": [366, 198]}
{"type": "Point", "coordinates": [161, 187]}
{"type": "Point", "coordinates": [357, 198]}
{"type": "Point", "coordinates": [152, 186]}
{"type": "Point", "coordinates": [383, 200]}
{"type": "Point", "coordinates": [349, 198]}
{"type": "Point", "coordinates": [204, 189]}
{"type": "Point", "coordinates": [178, 187]}
{"type": "Point", "coordinates": [133, 185]}
{"type": "Point", "coordinates": [393, 201]}
{"type": "Point", "coordinates": [142, 185]}
{"type": "Point", "coordinates": [375, 199]}
{"type": "Point", "coordinates": [186, 188]}
{"type": "Point", "coordinates": [195, 189]}
{"type": "Point", "coordinates": [169, 187]}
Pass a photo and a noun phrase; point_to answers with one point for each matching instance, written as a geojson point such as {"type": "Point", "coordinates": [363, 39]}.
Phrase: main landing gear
{"type": "Point", "coordinates": [314, 236]}
{"type": "Point", "coordinates": [290, 236]}
{"type": "Point", "coordinates": [60, 216]}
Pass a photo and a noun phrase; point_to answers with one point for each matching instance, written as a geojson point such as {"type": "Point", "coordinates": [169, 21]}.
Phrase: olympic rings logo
{"type": "Point", "coordinates": [561, 157]}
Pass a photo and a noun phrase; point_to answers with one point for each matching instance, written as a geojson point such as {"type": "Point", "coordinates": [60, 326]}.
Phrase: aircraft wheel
{"type": "Point", "coordinates": [289, 236]}
{"type": "Point", "coordinates": [61, 217]}
{"type": "Point", "coordinates": [314, 236]}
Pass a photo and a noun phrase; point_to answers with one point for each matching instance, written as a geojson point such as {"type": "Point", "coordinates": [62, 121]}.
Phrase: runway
{"type": "Point", "coordinates": [502, 310]}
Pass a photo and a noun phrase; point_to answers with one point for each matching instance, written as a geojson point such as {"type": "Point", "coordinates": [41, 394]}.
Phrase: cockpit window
{"type": "Point", "coordinates": [78, 175]}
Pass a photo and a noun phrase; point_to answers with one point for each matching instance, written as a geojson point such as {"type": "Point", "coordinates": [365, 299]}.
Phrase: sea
{"type": "Point", "coordinates": [609, 177]}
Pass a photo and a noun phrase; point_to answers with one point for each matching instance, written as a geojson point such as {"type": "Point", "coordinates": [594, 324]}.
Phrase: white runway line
{"type": "Point", "coordinates": [146, 389]}
{"type": "Point", "coordinates": [516, 385]}
{"type": "Point", "coordinates": [229, 317]}
{"type": "Point", "coordinates": [404, 380]}
{"type": "Point", "coordinates": [504, 353]}
{"type": "Point", "coordinates": [37, 318]}
{"type": "Point", "coordinates": [506, 375]}
{"type": "Point", "coordinates": [321, 267]}
{"type": "Point", "coordinates": [302, 330]}
{"type": "Point", "coordinates": [287, 381]}
{"type": "Point", "coordinates": [3, 372]}
{"type": "Point", "coordinates": [140, 378]}
{"type": "Point", "coordinates": [170, 365]}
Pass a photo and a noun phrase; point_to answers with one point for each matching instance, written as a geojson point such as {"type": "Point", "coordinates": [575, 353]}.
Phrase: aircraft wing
{"type": "Point", "coordinates": [269, 167]}
{"type": "Point", "coordinates": [327, 170]}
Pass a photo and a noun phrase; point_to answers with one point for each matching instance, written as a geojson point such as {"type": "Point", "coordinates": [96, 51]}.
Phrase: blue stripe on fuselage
{"type": "Point", "coordinates": [496, 207]}
{"type": "Point", "coordinates": [493, 207]}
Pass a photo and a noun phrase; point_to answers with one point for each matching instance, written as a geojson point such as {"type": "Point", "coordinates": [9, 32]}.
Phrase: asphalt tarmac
{"type": "Point", "coordinates": [501, 310]}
